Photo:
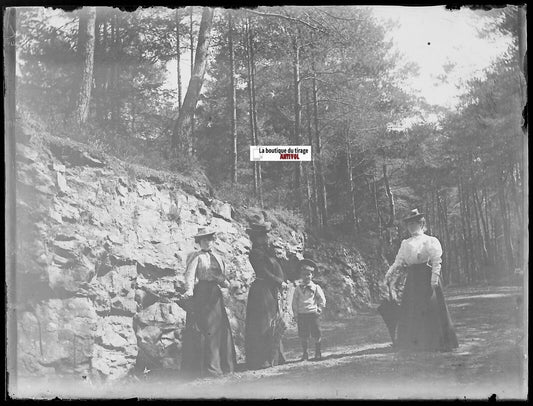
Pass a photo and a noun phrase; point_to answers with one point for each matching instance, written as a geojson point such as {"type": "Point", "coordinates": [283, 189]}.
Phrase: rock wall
{"type": "Point", "coordinates": [101, 254]}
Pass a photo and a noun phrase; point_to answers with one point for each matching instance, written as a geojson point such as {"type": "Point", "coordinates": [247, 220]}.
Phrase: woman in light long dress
{"type": "Point", "coordinates": [208, 348]}
{"type": "Point", "coordinates": [424, 322]}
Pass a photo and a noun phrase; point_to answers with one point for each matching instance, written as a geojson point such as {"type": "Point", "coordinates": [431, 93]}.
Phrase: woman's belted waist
{"type": "Point", "coordinates": [419, 267]}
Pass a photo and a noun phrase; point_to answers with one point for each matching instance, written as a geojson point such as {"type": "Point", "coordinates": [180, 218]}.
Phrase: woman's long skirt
{"type": "Point", "coordinates": [208, 347]}
{"type": "Point", "coordinates": [424, 323]}
{"type": "Point", "coordinates": [264, 327]}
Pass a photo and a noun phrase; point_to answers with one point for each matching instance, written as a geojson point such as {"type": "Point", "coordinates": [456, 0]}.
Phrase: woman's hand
{"type": "Point", "coordinates": [434, 280]}
{"type": "Point", "coordinates": [393, 294]}
{"type": "Point", "coordinates": [389, 285]}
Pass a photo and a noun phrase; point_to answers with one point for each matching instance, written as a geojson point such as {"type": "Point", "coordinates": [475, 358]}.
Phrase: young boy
{"type": "Point", "coordinates": [307, 304]}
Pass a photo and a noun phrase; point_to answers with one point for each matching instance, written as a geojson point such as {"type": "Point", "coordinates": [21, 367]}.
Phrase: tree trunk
{"type": "Point", "coordinates": [309, 195]}
{"type": "Point", "coordinates": [297, 115]}
{"type": "Point", "coordinates": [506, 225]}
{"type": "Point", "coordinates": [429, 213]}
{"type": "Point", "coordinates": [350, 181]}
{"type": "Point", "coordinates": [323, 200]}
{"type": "Point", "coordinates": [82, 110]}
{"type": "Point", "coordinates": [175, 141]}
{"type": "Point", "coordinates": [443, 218]}
{"type": "Point", "coordinates": [97, 69]}
{"type": "Point", "coordinates": [82, 32]}
{"type": "Point", "coordinates": [116, 72]}
{"type": "Point", "coordinates": [10, 111]}
{"type": "Point", "coordinates": [193, 119]}
{"type": "Point", "coordinates": [522, 47]}
{"type": "Point", "coordinates": [516, 188]}
{"type": "Point", "coordinates": [470, 240]}
{"type": "Point", "coordinates": [486, 236]}
{"type": "Point", "coordinates": [376, 207]}
{"type": "Point", "coordinates": [390, 197]}
{"type": "Point", "coordinates": [183, 126]}
{"type": "Point", "coordinates": [464, 238]}
{"type": "Point", "coordinates": [111, 72]}
{"type": "Point", "coordinates": [523, 259]}
{"type": "Point", "coordinates": [233, 99]}
{"type": "Point", "coordinates": [314, 195]}
{"type": "Point", "coordinates": [254, 109]}
{"type": "Point", "coordinates": [460, 269]}
{"type": "Point", "coordinates": [250, 100]}
{"type": "Point", "coordinates": [101, 69]}
{"type": "Point", "coordinates": [480, 227]}
{"type": "Point", "coordinates": [191, 38]}
{"type": "Point", "coordinates": [491, 223]}
{"type": "Point", "coordinates": [80, 55]}
{"type": "Point", "coordinates": [480, 238]}
{"type": "Point", "coordinates": [486, 225]}
{"type": "Point", "coordinates": [178, 57]}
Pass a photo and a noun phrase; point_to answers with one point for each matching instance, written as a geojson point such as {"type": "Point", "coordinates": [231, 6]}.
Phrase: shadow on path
{"type": "Point", "coordinates": [382, 349]}
{"type": "Point", "coordinates": [367, 351]}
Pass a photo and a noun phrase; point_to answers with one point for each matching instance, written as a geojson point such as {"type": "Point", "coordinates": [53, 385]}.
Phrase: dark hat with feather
{"type": "Point", "coordinates": [413, 216]}
{"type": "Point", "coordinates": [258, 225]}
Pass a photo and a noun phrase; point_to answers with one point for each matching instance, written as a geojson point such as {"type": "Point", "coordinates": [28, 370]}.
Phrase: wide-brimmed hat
{"type": "Point", "coordinates": [413, 215]}
{"type": "Point", "coordinates": [204, 232]}
{"type": "Point", "coordinates": [307, 262]}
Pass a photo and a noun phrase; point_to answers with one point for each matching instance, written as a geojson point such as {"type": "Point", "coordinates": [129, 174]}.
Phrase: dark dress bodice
{"type": "Point", "coordinates": [266, 267]}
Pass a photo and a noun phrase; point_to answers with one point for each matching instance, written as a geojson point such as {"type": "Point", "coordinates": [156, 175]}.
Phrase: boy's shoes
{"type": "Point", "coordinates": [318, 353]}
{"type": "Point", "coordinates": [318, 357]}
{"type": "Point", "coordinates": [305, 356]}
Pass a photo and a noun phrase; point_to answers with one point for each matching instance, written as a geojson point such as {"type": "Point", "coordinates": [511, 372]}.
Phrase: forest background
{"type": "Point", "coordinates": [328, 77]}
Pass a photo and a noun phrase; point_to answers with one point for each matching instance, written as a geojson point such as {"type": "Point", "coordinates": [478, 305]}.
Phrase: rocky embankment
{"type": "Point", "coordinates": [101, 257]}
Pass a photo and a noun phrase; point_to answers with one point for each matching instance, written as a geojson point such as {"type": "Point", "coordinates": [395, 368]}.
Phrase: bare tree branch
{"type": "Point", "coordinates": [323, 73]}
{"type": "Point", "coordinates": [292, 19]}
{"type": "Point", "coordinates": [337, 17]}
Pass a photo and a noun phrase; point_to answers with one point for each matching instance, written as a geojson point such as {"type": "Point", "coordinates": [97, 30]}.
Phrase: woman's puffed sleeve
{"type": "Point", "coordinates": [398, 263]}
{"type": "Point", "coordinates": [435, 255]}
{"type": "Point", "coordinates": [190, 272]}
{"type": "Point", "coordinates": [220, 277]}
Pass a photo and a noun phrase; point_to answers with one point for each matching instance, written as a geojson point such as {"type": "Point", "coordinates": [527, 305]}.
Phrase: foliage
{"type": "Point", "coordinates": [465, 170]}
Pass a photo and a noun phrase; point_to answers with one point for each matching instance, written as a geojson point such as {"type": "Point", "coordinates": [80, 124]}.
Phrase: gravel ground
{"type": "Point", "coordinates": [359, 364]}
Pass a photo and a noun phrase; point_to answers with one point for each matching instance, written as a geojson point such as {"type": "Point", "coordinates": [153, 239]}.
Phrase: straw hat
{"type": "Point", "coordinates": [414, 215]}
{"type": "Point", "coordinates": [204, 232]}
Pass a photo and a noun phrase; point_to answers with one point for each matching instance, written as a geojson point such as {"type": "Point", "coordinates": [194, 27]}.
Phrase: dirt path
{"type": "Point", "coordinates": [359, 362]}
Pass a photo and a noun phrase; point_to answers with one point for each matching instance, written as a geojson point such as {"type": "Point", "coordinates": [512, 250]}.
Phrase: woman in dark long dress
{"type": "Point", "coordinates": [208, 348]}
{"type": "Point", "coordinates": [264, 324]}
{"type": "Point", "coordinates": [424, 322]}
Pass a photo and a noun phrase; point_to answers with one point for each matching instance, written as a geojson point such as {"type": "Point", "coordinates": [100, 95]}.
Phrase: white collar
{"type": "Point", "coordinates": [311, 284]}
